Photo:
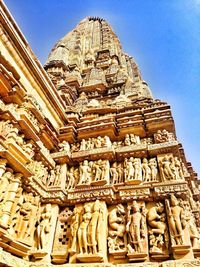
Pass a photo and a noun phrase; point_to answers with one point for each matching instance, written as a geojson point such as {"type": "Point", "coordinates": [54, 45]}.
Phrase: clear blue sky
{"type": "Point", "coordinates": [162, 35]}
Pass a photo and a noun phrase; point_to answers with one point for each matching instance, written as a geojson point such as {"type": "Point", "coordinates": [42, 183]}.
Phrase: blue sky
{"type": "Point", "coordinates": [163, 36]}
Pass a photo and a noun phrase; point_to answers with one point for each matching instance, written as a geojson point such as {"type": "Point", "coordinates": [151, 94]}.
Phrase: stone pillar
{"type": "Point", "coordinates": [9, 200]}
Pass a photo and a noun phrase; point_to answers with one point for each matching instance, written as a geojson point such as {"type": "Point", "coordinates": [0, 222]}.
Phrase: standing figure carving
{"type": "Point", "coordinates": [94, 227]}
{"type": "Point", "coordinates": [177, 222]}
{"type": "Point", "coordinates": [74, 229]}
{"type": "Point", "coordinates": [82, 231]}
{"type": "Point", "coordinates": [178, 168]}
{"type": "Point", "coordinates": [129, 169]}
{"type": "Point", "coordinates": [133, 170]}
{"type": "Point", "coordinates": [85, 173]}
{"type": "Point", "coordinates": [135, 228]}
{"type": "Point", "coordinates": [72, 177]}
{"type": "Point", "coordinates": [43, 228]}
{"type": "Point", "coordinates": [146, 170]}
{"type": "Point", "coordinates": [114, 173]}
{"type": "Point", "coordinates": [154, 169]}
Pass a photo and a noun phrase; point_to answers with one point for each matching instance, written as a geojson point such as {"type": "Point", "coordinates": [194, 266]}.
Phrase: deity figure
{"type": "Point", "coordinates": [135, 227]}
{"type": "Point", "coordinates": [117, 228]}
{"type": "Point", "coordinates": [43, 228]}
{"type": "Point", "coordinates": [94, 229]}
{"type": "Point", "coordinates": [74, 228]}
{"type": "Point", "coordinates": [82, 231]}
{"type": "Point", "coordinates": [177, 220]}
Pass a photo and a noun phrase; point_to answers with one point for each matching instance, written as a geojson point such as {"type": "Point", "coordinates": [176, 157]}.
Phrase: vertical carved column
{"type": "Point", "coordinates": [66, 222]}
{"type": "Point", "coordinates": [9, 199]}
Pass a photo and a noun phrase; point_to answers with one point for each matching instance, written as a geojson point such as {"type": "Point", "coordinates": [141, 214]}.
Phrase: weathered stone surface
{"type": "Point", "coordinates": [91, 172]}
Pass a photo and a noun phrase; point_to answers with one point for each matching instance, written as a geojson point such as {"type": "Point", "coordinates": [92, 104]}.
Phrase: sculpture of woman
{"type": "Point", "coordinates": [43, 227]}
{"type": "Point", "coordinates": [146, 170]}
{"type": "Point", "coordinates": [92, 228]}
{"type": "Point", "coordinates": [98, 170]}
{"type": "Point", "coordinates": [114, 174]}
{"type": "Point", "coordinates": [178, 167]}
{"type": "Point", "coordinates": [71, 178]}
{"type": "Point", "coordinates": [167, 168]}
{"type": "Point", "coordinates": [129, 169]}
{"type": "Point", "coordinates": [105, 171]}
{"type": "Point", "coordinates": [83, 145]}
{"type": "Point", "coordinates": [74, 228]}
{"type": "Point", "coordinates": [137, 168]}
{"type": "Point", "coordinates": [154, 170]}
{"type": "Point", "coordinates": [82, 231]}
{"type": "Point", "coordinates": [84, 173]}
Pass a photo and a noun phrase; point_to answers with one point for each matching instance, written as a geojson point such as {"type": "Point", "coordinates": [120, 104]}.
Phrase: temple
{"type": "Point", "coordinates": [91, 170]}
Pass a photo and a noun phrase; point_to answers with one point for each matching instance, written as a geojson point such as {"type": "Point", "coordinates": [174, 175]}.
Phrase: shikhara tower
{"type": "Point", "coordinates": [91, 171]}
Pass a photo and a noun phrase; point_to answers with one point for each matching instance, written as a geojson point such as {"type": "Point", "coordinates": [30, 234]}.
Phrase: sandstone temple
{"type": "Point", "coordinates": [91, 170]}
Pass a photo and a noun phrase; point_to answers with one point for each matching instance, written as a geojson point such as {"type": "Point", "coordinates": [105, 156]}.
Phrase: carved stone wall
{"type": "Point", "coordinates": [91, 170]}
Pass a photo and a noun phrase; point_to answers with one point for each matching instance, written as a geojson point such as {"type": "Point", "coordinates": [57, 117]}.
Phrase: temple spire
{"type": "Point", "coordinates": [90, 58]}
